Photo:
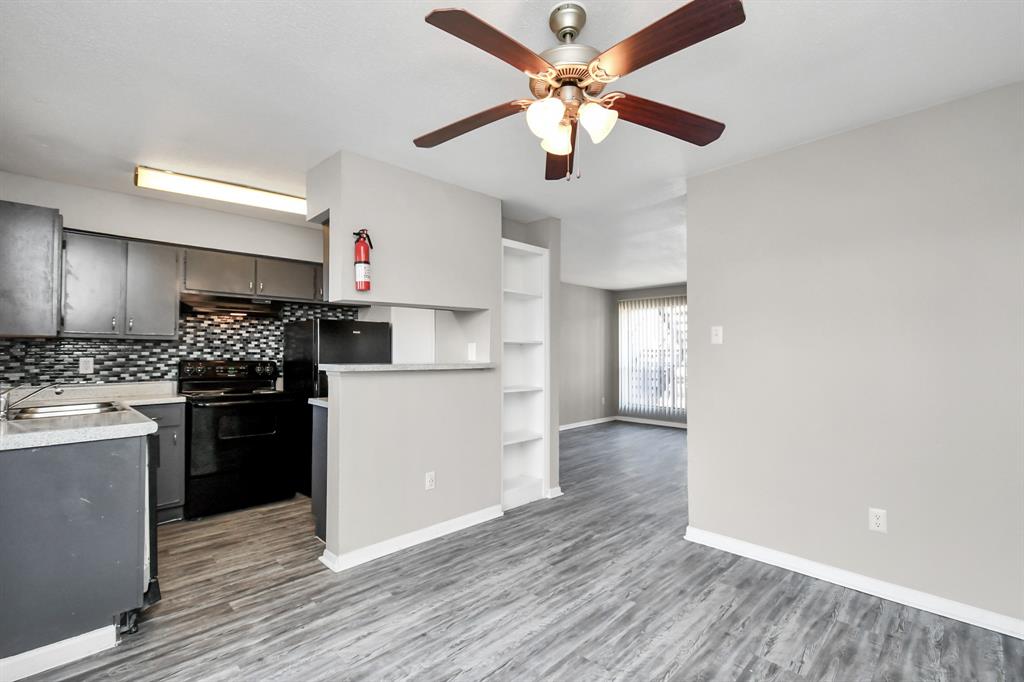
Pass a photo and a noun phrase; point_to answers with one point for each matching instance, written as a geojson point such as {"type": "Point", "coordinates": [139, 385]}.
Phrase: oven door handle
{"type": "Point", "coordinates": [234, 403]}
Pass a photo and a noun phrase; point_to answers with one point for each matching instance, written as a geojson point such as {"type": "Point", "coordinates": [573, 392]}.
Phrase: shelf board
{"type": "Point", "coordinates": [526, 295]}
{"type": "Point", "coordinates": [522, 389]}
{"type": "Point", "coordinates": [524, 342]}
{"type": "Point", "coordinates": [513, 437]}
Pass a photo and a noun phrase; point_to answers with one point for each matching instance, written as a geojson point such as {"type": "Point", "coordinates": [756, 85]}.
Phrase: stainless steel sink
{"type": "Point", "coordinates": [43, 411]}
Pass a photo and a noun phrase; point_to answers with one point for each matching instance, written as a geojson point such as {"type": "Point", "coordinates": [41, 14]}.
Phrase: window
{"type": "Point", "coordinates": [652, 357]}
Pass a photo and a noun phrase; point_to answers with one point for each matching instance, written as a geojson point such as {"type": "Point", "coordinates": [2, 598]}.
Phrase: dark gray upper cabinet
{"type": "Point", "coordinates": [151, 305]}
{"type": "Point", "coordinates": [215, 271]}
{"type": "Point", "coordinates": [318, 283]}
{"type": "Point", "coordinates": [114, 287]}
{"type": "Point", "coordinates": [285, 279]}
{"type": "Point", "coordinates": [29, 270]}
{"type": "Point", "coordinates": [94, 285]}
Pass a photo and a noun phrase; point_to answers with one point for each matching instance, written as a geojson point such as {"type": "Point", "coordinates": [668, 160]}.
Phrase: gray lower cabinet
{"type": "Point", "coordinates": [94, 285]}
{"type": "Point", "coordinates": [72, 532]}
{"type": "Point", "coordinates": [170, 475]}
{"type": "Point", "coordinates": [215, 271]}
{"type": "Point", "coordinates": [115, 287]}
{"type": "Point", "coordinates": [151, 292]}
{"type": "Point", "coordinates": [29, 270]}
{"type": "Point", "coordinates": [285, 279]}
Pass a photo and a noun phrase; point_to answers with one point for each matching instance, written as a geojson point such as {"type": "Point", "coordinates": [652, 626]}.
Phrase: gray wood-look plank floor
{"type": "Point", "coordinates": [595, 585]}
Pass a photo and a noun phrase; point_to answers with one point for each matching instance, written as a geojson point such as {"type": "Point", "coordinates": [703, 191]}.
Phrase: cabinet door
{"type": "Point", "coordinates": [285, 279]}
{"type": "Point", "coordinates": [29, 270]}
{"type": "Point", "coordinates": [170, 477]}
{"type": "Point", "coordinates": [151, 292]}
{"type": "Point", "coordinates": [318, 283]}
{"type": "Point", "coordinates": [227, 273]}
{"type": "Point", "coordinates": [94, 272]}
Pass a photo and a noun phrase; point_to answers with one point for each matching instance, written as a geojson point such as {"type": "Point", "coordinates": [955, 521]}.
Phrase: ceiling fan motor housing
{"type": "Point", "coordinates": [569, 58]}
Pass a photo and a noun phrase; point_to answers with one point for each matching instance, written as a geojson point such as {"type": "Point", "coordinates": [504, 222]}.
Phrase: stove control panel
{"type": "Point", "coordinates": [227, 369]}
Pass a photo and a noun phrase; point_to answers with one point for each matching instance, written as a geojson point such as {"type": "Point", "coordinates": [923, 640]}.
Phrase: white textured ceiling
{"type": "Point", "coordinates": [258, 92]}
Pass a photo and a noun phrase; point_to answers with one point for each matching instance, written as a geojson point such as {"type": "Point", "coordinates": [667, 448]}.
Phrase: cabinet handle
{"type": "Point", "coordinates": [174, 437]}
{"type": "Point", "coordinates": [250, 285]}
{"type": "Point", "coordinates": [321, 292]}
{"type": "Point", "coordinates": [261, 287]}
{"type": "Point", "coordinates": [113, 323]}
{"type": "Point", "coordinates": [131, 323]}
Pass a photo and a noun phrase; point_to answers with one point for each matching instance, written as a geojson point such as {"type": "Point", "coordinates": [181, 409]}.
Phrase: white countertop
{"type": "Point", "coordinates": [407, 367]}
{"type": "Point", "coordinates": [318, 402]}
{"type": "Point", "coordinates": [36, 433]}
{"type": "Point", "coordinates": [127, 423]}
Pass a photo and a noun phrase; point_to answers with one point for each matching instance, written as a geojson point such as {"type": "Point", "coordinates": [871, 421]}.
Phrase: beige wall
{"type": "Point", "coordinates": [548, 234]}
{"type": "Point", "coordinates": [870, 289]}
{"type": "Point", "coordinates": [588, 354]}
{"type": "Point", "coordinates": [386, 430]}
{"type": "Point", "coordinates": [128, 215]}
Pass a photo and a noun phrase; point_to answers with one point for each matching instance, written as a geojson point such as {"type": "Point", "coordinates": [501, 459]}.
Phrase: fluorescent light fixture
{"type": "Point", "coordinates": [179, 183]}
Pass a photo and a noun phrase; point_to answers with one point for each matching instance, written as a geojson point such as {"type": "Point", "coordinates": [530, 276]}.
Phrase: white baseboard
{"type": "Point", "coordinates": [652, 422]}
{"type": "Point", "coordinates": [966, 613]}
{"type": "Point", "coordinates": [50, 656]}
{"type": "Point", "coordinates": [635, 420]}
{"type": "Point", "coordinates": [553, 492]}
{"type": "Point", "coordinates": [589, 422]}
{"type": "Point", "coordinates": [375, 551]}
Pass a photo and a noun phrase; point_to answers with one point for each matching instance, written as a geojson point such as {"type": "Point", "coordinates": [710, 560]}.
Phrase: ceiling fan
{"type": "Point", "coordinates": [567, 81]}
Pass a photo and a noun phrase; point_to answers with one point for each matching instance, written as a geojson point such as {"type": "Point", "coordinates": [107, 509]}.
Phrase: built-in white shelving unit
{"type": "Point", "coordinates": [526, 359]}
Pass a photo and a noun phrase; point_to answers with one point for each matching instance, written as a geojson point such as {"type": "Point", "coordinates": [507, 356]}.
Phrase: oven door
{"type": "Point", "coordinates": [238, 454]}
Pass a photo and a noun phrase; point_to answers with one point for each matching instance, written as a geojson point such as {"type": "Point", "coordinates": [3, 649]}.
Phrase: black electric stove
{"type": "Point", "coordinates": [237, 427]}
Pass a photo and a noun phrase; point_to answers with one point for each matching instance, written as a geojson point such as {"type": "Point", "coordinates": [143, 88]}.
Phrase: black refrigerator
{"type": "Point", "coordinates": [311, 343]}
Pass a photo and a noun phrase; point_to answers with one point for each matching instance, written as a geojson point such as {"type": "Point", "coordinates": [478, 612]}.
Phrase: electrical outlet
{"type": "Point", "coordinates": [85, 366]}
{"type": "Point", "coordinates": [877, 520]}
{"type": "Point", "coordinates": [717, 336]}
{"type": "Point", "coordinates": [428, 481]}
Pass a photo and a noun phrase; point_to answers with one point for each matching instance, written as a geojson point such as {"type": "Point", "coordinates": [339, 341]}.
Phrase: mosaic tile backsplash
{"type": "Point", "coordinates": [202, 336]}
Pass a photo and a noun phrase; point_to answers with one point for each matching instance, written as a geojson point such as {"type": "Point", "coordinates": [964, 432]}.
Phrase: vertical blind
{"type": "Point", "coordinates": [652, 357]}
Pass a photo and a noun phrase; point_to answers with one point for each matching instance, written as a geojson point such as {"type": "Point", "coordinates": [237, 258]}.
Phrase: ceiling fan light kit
{"type": "Point", "coordinates": [567, 81]}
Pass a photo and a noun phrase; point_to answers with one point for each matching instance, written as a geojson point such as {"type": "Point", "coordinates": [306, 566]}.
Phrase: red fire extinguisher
{"type": "Point", "coordinates": [362, 259]}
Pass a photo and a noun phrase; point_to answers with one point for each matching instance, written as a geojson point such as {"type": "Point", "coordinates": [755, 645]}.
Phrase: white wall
{"type": "Point", "coordinates": [435, 244]}
{"type": "Point", "coordinates": [870, 289]}
{"type": "Point", "coordinates": [98, 210]}
{"type": "Point", "coordinates": [588, 354]}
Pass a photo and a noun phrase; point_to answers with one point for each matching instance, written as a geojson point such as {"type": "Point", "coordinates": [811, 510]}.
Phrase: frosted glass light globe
{"type": "Point", "coordinates": [558, 143]}
{"type": "Point", "coordinates": [544, 115]}
{"type": "Point", "coordinates": [597, 120]}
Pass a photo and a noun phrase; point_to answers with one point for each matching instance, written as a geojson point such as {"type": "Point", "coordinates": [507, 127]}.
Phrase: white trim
{"type": "Point", "coordinates": [652, 422]}
{"type": "Point", "coordinates": [589, 422]}
{"type": "Point", "coordinates": [990, 620]}
{"type": "Point", "coordinates": [50, 656]}
{"type": "Point", "coordinates": [634, 420]}
{"type": "Point", "coordinates": [377, 550]}
{"type": "Point", "coordinates": [553, 492]}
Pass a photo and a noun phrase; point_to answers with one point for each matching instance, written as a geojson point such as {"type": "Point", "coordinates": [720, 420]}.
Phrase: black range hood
{"type": "Point", "coordinates": [225, 305]}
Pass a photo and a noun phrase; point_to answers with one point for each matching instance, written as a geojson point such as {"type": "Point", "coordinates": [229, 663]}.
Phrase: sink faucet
{"type": "Point", "coordinates": [5, 397]}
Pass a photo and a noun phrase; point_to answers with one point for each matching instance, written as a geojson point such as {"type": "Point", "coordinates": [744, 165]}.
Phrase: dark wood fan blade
{"type": "Point", "coordinates": [474, 31]}
{"type": "Point", "coordinates": [469, 123]}
{"type": "Point", "coordinates": [668, 120]}
{"type": "Point", "coordinates": [557, 167]}
{"type": "Point", "coordinates": [696, 21]}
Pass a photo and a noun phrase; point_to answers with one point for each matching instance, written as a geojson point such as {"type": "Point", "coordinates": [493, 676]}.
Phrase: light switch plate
{"type": "Point", "coordinates": [86, 366]}
{"type": "Point", "coordinates": [717, 335]}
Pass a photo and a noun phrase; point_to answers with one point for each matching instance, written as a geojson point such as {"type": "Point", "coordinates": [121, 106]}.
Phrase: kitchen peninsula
{"type": "Point", "coordinates": [413, 448]}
